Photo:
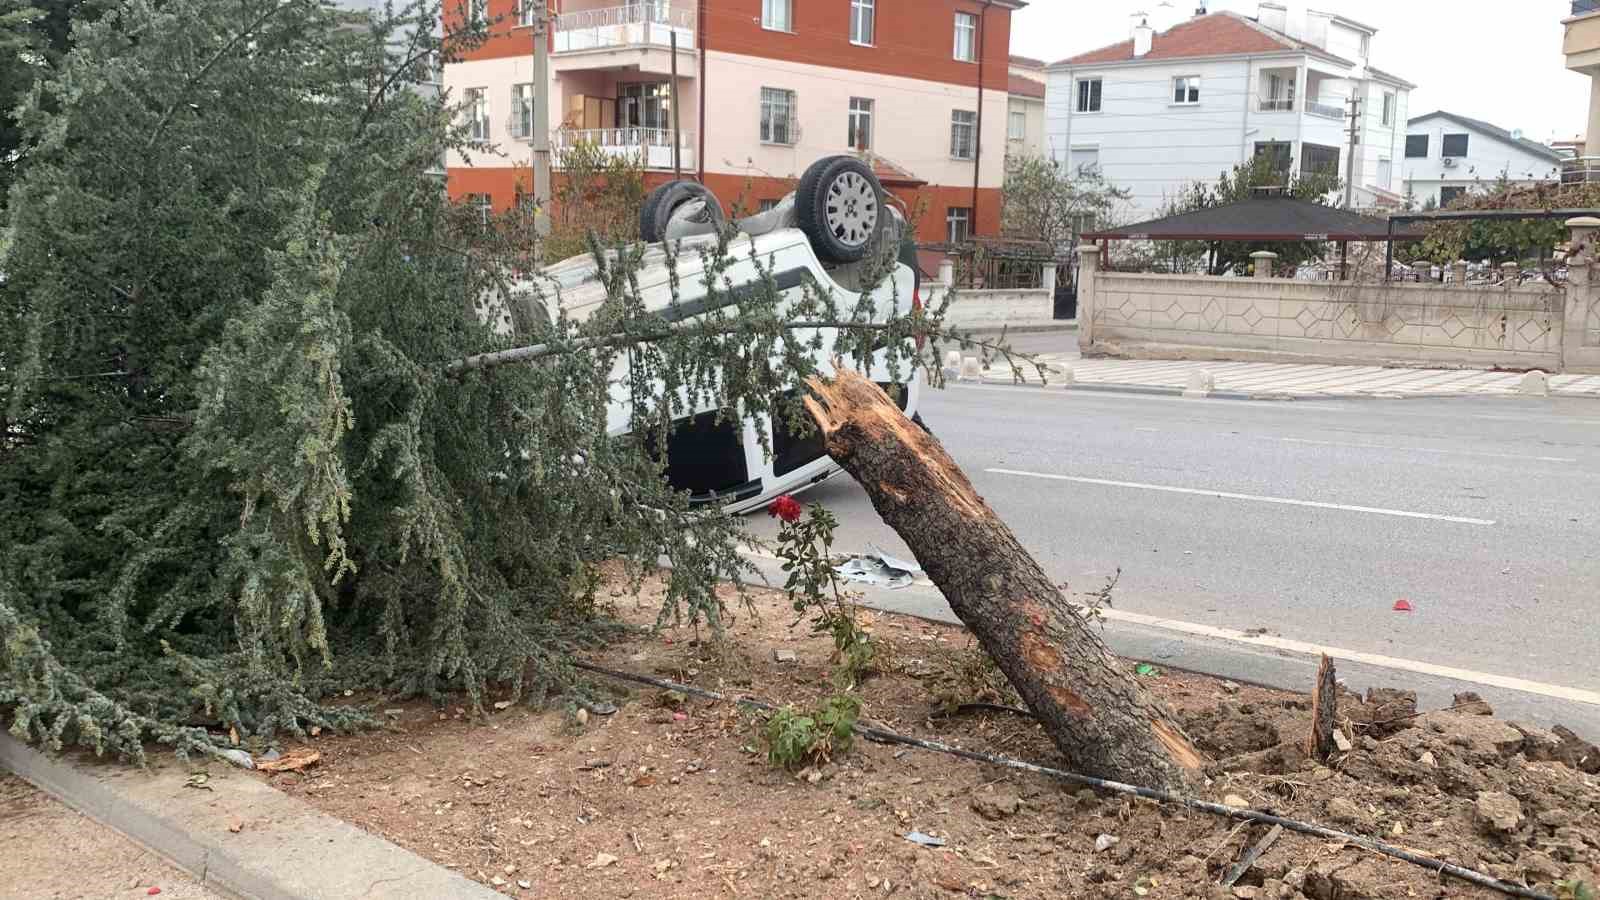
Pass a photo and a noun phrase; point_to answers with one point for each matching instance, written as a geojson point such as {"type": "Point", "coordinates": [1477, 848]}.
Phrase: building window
{"type": "Point", "coordinates": [859, 131]}
{"type": "Point", "coordinates": [644, 105]}
{"type": "Point", "coordinates": [862, 15]}
{"type": "Point", "coordinates": [1448, 195]}
{"type": "Point", "coordinates": [522, 111]}
{"type": "Point", "coordinates": [525, 13]}
{"type": "Point", "coordinates": [477, 109]}
{"type": "Point", "coordinates": [1084, 161]}
{"type": "Point", "coordinates": [1279, 152]}
{"type": "Point", "coordinates": [1416, 146]}
{"type": "Point", "coordinates": [483, 205]}
{"type": "Point", "coordinates": [477, 12]}
{"type": "Point", "coordinates": [1186, 89]}
{"type": "Point", "coordinates": [1454, 145]}
{"type": "Point", "coordinates": [1316, 159]}
{"type": "Point", "coordinates": [963, 133]}
{"type": "Point", "coordinates": [1280, 93]}
{"type": "Point", "coordinates": [966, 37]}
{"type": "Point", "coordinates": [776, 15]}
{"type": "Point", "coordinates": [1388, 108]}
{"type": "Point", "coordinates": [1017, 125]}
{"type": "Point", "coordinates": [777, 116]}
{"type": "Point", "coordinates": [1089, 95]}
{"type": "Point", "coordinates": [1385, 172]}
{"type": "Point", "coordinates": [767, 206]}
{"type": "Point", "coordinates": [958, 224]}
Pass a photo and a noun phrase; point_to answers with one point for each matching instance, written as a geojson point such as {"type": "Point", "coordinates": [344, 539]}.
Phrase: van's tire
{"type": "Point", "coordinates": [917, 418]}
{"type": "Point", "coordinates": [662, 202]}
{"type": "Point", "coordinates": [839, 205]}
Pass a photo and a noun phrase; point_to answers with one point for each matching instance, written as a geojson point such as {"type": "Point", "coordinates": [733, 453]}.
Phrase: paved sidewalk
{"type": "Point", "coordinates": [50, 851]}
{"type": "Point", "coordinates": [1288, 379]}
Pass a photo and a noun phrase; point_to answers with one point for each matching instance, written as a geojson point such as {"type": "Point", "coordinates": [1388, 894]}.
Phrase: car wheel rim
{"type": "Point", "coordinates": [852, 210]}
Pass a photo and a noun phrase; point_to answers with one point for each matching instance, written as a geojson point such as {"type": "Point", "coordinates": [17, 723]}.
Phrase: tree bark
{"type": "Point", "coordinates": [1093, 708]}
{"type": "Point", "coordinates": [1324, 711]}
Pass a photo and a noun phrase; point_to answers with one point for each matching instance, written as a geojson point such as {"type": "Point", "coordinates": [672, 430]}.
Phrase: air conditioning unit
{"type": "Point", "coordinates": [1449, 162]}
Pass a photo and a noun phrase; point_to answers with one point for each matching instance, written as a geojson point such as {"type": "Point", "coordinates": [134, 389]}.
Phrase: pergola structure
{"type": "Point", "coordinates": [1263, 220]}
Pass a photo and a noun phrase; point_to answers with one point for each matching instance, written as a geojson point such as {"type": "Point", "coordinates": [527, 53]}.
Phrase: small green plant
{"type": "Point", "coordinates": [795, 737]}
{"type": "Point", "coordinates": [804, 542]}
{"type": "Point", "coordinates": [1575, 889]}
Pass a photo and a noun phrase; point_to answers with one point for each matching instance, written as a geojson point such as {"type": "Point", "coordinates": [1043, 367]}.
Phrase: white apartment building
{"type": "Point", "coordinates": [1025, 107]}
{"type": "Point", "coordinates": [1448, 155]}
{"type": "Point", "coordinates": [1180, 102]}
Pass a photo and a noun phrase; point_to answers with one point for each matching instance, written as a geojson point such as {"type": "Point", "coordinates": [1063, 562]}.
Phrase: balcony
{"type": "Point", "coordinates": [1281, 104]}
{"type": "Point", "coordinates": [1325, 110]}
{"type": "Point", "coordinates": [649, 23]}
{"type": "Point", "coordinates": [1581, 169]}
{"type": "Point", "coordinates": [651, 146]}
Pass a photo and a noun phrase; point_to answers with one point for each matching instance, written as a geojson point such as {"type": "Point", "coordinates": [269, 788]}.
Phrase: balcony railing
{"type": "Point", "coordinates": [652, 147]}
{"type": "Point", "coordinates": [637, 24]}
{"type": "Point", "coordinates": [1277, 104]}
{"type": "Point", "coordinates": [1580, 170]}
{"type": "Point", "coordinates": [1579, 7]}
{"type": "Point", "coordinates": [1325, 110]}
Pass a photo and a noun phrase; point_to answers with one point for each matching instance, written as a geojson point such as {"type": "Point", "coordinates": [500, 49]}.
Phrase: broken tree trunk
{"type": "Point", "coordinates": [1093, 708]}
{"type": "Point", "coordinates": [1324, 711]}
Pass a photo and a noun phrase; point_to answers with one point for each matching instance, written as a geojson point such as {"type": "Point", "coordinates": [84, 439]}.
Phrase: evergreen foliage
{"type": "Point", "coordinates": [236, 477]}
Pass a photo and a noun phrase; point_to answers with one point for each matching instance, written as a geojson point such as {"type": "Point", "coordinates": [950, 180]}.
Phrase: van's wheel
{"type": "Point", "coordinates": [917, 418]}
{"type": "Point", "coordinates": [663, 202]}
{"type": "Point", "coordinates": [839, 205]}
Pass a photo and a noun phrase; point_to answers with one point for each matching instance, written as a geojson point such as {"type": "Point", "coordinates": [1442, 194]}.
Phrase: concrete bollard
{"type": "Point", "coordinates": [1535, 384]}
{"type": "Point", "coordinates": [971, 369]}
{"type": "Point", "coordinates": [952, 364]}
{"type": "Point", "coordinates": [1067, 377]}
{"type": "Point", "coordinates": [1509, 272]}
{"type": "Point", "coordinates": [1201, 384]}
{"type": "Point", "coordinates": [1263, 260]}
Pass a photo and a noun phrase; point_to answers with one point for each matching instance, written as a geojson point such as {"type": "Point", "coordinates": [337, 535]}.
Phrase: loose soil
{"type": "Point", "coordinates": [49, 852]}
{"type": "Point", "coordinates": [673, 797]}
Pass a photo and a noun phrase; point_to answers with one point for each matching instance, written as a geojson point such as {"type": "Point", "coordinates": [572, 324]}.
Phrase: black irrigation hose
{"type": "Point", "coordinates": [1218, 809]}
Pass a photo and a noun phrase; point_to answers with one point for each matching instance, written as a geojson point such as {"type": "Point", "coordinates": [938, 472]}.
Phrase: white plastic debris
{"type": "Point", "coordinates": [879, 569]}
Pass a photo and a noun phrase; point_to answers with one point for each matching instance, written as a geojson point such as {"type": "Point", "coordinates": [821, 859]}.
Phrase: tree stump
{"type": "Point", "coordinates": [1094, 709]}
{"type": "Point", "coordinates": [1324, 711]}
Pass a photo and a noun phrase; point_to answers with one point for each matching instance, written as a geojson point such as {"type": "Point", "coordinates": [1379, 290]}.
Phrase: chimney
{"type": "Point", "coordinates": [1317, 25]}
{"type": "Point", "coordinates": [1274, 16]}
{"type": "Point", "coordinates": [1135, 20]}
{"type": "Point", "coordinates": [1142, 35]}
{"type": "Point", "coordinates": [1200, 10]}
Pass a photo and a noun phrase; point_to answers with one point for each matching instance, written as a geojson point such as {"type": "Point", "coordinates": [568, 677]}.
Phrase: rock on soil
{"type": "Point", "coordinates": [1499, 811]}
{"type": "Point", "coordinates": [996, 806]}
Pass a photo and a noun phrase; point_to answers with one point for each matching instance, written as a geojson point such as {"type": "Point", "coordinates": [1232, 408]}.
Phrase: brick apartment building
{"type": "Point", "coordinates": [764, 88]}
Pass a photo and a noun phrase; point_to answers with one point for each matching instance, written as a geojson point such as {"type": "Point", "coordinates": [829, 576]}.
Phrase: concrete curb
{"type": "Point", "coordinates": [284, 849]}
{"type": "Point", "coordinates": [1065, 325]}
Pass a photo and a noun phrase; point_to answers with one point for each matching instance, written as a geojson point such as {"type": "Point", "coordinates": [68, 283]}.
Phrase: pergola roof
{"type": "Point", "coordinates": [1263, 219]}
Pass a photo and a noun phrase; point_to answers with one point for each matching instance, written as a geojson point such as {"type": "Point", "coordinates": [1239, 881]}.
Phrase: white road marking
{"type": "Point", "coordinates": [1522, 456]}
{"type": "Point", "coordinates": [1055, 390]}
{"type": "Point", "coordinates": [1558, 691]}
{"type": "Point", "coordinates": [1306, 648]}
{"type": "Point", "coordinates": [1256, 498]}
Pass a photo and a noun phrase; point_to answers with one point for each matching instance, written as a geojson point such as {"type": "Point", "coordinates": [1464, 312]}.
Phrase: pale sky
{"type": "Point", "coordinates": [1500, 62]}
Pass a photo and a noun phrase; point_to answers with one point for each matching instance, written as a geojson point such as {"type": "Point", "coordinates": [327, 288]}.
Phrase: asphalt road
{"type": "Point", "coordinates": [1484, 514]}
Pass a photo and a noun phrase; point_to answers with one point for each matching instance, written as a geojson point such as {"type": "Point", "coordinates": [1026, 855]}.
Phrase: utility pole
{"type": "Point", "coordinates": [541, 123]}
{"type": "Point", "coordinates": [677, 135]}
{"type": "Point", "coordinates": [1355, 138]}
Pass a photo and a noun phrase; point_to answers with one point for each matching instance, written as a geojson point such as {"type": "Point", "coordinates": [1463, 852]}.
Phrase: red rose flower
{"type": "Point", "coordinates": [785, 507]}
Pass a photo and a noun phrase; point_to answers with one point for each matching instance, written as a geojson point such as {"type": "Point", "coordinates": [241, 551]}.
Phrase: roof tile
{"type": "Point", "coordinates": [1025, 87]}
{"type": "Point", "coordinates": [1217, 34]}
